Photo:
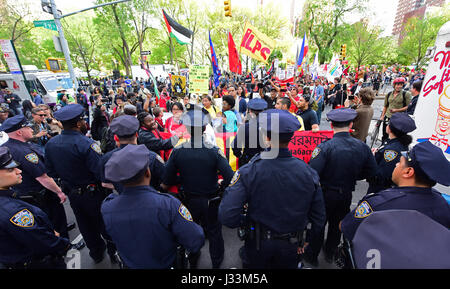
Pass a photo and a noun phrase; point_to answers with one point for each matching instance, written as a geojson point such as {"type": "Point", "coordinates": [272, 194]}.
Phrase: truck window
{"type": "Point", "coordinates": [3, 84]}
{"type": "Point", "coordinates": [40, 87]}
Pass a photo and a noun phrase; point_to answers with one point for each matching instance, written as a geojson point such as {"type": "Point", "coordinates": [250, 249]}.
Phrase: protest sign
{"type": "Point", "coordinates": [199, 79]}
{"type": "Point", "coordinates": [304, 142]}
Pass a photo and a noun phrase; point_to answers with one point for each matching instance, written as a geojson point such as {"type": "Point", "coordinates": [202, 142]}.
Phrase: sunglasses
{"type": "Point", "coordinates": [41, 115]}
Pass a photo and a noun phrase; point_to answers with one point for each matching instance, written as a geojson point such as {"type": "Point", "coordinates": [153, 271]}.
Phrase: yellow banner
{"type": "Point", "coordinates": [255, 44]}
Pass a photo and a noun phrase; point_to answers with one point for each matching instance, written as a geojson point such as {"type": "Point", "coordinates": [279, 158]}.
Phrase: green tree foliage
{"type": "Point", "coordinates": [419, 34]}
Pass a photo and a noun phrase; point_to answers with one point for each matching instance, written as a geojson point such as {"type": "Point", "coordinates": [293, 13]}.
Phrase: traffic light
{"type": "Point", "coordinates": [343, 51]}
{"type": "Point", "coordinates": [227, 8]}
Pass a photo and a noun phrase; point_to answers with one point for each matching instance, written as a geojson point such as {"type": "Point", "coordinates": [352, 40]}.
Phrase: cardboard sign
{"type": "Point", "coordinates": [199, 79]}
{"type": "Point", "coordinates": [432, 113]}
{"type": "Point", "coordinates": [304, 142]}
{"type": "Point", "coordinates": [178, 85]}
{"type": "Point", "coordinates": [256, 44]}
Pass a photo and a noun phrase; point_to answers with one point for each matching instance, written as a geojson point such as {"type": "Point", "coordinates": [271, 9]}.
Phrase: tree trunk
{"type": "Point", "coordinates": [127, 55]}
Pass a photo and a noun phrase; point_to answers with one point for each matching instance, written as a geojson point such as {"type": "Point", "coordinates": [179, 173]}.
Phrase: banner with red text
{"type": "Point", "coordinates": [255, 44]}
{"type": "Point", "coordinates": [304, 142]}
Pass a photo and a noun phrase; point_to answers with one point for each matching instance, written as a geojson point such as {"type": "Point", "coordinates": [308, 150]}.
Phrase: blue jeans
{"type": "Point", "coordinates": [319, 111]}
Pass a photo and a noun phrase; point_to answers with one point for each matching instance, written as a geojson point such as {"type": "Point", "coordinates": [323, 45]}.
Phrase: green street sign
{"type": "Point", "coordinates": [48, 24]}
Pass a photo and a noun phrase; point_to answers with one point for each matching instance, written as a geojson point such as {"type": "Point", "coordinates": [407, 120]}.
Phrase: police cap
{"type": "Point", "coordinates": [6, 159]}
{"type": "Point", "coordinates": [125, 125]}
{"type": "Point", "coordinates": [126, 163]}
{"type": "Point", "coordinates": [69, 112]}
{"type": "Point", "coordinates": [14, 123]}
{"type": "Point", "coordinates": [341, 115]}
{"type": "Point", "coordinates": [287, 123]}
{"type": "Point", "coordinates": [402, 122]}
{"type": "Point", "coordinates": [257, 104]}
{"type": "Point", "coordinates": [195, 118]}
{"type": "Point", "coordinates": [431, 161]}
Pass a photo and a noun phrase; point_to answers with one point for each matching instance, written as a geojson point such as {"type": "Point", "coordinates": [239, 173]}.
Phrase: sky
{"type": "Point", "coordinates": [383, 10]}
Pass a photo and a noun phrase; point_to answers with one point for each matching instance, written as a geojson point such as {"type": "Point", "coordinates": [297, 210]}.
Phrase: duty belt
{"type": "Point", "coordinates": [84, 189]}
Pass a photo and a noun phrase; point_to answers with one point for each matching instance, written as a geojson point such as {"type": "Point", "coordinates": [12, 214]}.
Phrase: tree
{"type": "Point", "coordinates": [419, 34]}
{"type": "Point", "coordinates": [83, 40]}
{"type": "Point", "coordinates": [323, 22]}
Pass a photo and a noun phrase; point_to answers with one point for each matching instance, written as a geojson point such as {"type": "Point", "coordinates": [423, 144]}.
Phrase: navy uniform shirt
{"type": "Point", "coordinates": [243, 146]}
{"type": "Point", "coordinates": [146, 227]}
{"type": "Point", "coordinates": [340, 162]}
{"type": "Point", "coordinates": [156, 166]}
{"type": "Point", "coordinates": [283, 194]}
{"type": "Point", "coordinates": [31, 164]}
{"type": "Point", "coordinates": [25, 232]}
{"type": "Point", "coordinates": [387, 156]}
{"type": "Point", "coordinates": [425, 200]}
{"type": "Point", "coordinates": [74, 158]}
{"type": "Point", "coordinates": [198, 168]}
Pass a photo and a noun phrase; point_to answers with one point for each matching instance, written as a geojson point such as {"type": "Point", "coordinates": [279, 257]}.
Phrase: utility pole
{"type": "Point", "coordinates": [49, 6]}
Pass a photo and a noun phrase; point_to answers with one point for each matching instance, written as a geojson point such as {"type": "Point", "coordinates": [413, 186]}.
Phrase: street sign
{"type": "Point", "coordinates": [48, 24]}
{"type": "Point", "coordinates": [148, 52]}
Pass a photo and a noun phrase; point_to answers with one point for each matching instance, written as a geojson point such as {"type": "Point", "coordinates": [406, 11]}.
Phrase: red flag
{"type": "Point", "coordinates": [233, 57]}
{"type": "Point", "coordinates": [345, 72]}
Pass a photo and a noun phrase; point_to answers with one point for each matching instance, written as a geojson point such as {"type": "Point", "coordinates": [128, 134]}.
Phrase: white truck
{"type": "Point", "coordinates": [45, 82]}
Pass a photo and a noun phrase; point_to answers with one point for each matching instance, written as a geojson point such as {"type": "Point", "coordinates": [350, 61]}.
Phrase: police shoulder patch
{"type": "Point", "coordinates": [363, 210]}
{"type": "Point", "coordinates": [32, 158]}
{"type": "Point", "coordinates": [184, 212]}
{"type": "Point", "coordinates": [315, 152]}
{"type": "Point", "coordinates": [23, 218]}
{"type": "Point", "coordinates": [390, 155]}
{"type": "Point", "coordinates": [96, 148]}
{"type": "Point", "coordinates": [235, 178]}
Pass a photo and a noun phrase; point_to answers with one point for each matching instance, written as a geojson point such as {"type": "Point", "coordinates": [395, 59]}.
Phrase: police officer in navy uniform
{"type": "Point", "coordinates": [248, 141]}
{"type": "Point", "coordinates": [415, 175]}
{"type": "Point", "coordinates": [198, 165]}
{"type": "Point", "coordinates": [125, 129]}
{"type": "Point", "coordinates": [388, 155]}
{"type": "Point", "coordinates": [145, 225]}
{"type": "Point", "coordinates": [340, 162]}
{"type": "Point", "coordinates": [27, 237]}
{"type": "Point", "coordinates": [37, 187]}
{"type": "Point", "coordinates": [282, 194]}
{"type": "Point", "coordinates": [75, 159]}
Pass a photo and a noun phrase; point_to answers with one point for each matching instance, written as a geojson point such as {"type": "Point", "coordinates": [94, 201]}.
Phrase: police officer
{"type": "Point", "coordinates": [248, 141]}
{"type": "Point", "coordinates": [388, 155]}
{"type": "Point", "coordinates": [198, 165]}
{"type": "Point", "coordinates": [27, 237]}
{"type": "Point", "coordinates": [340, 162]}
{"type": "Point", "coordinates": [415, 175]}
{"type": "Point", "coordinates": [155, 222]}
{"type": "Point", "coordinates": [75, 159]}
{"type": "Point", "coordinates": [37, 187]}
{"type": "Point", "coordinates": [282, 194]}
{"type": "Point", "coordinates": [125, 129]}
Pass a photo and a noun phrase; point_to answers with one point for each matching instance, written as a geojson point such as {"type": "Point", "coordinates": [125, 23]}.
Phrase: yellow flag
{"type": "Point", "coordinates": [255, 44]}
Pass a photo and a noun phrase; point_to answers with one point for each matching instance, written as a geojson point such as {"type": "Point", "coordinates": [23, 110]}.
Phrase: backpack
{"type": "Point", "coordinates": [107, 142]}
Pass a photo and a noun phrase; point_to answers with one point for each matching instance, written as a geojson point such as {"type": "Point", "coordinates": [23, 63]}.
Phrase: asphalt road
{"type": "Point", "coordinates": [80, 259]}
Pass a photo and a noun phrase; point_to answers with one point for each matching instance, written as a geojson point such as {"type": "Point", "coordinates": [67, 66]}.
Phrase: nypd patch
{"type": "Point", "coordinates": [23, 219]}
{"type": "Point", "coordinates": [235, 178]}
{"type": "Point", "coordinates": [184, 212]}
{"type": "Point", "coordinates": [390, 155]}
{"type": "Point", "coordinates": [363, 210]}
{"type": "Point", "coordinates": [32, 158]}
{"type": "Point", "coordinates": [96, 148]}
{"type": "Point", "coordinates": [315, 153]}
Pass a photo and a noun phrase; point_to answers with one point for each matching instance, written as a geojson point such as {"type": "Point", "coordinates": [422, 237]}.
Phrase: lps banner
{"type": "Point", "coordinates": [199, 79]}
{"type": "Point", "coordinates": [256, 44]}
{"type": "Point", "coordinates": [304, 142]}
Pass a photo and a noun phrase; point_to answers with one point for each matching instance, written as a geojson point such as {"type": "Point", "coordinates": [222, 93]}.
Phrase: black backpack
{"type": "Point", "coordinates": [107, 142]}
{"type": "Point", "coordinates": [404, 98]}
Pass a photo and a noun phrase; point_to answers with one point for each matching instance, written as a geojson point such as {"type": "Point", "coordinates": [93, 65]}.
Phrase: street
{"type": "Point", "coordinates": [81, 260]}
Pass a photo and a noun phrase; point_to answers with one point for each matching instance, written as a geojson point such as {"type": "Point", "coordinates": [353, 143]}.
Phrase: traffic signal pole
{"type": "Point", "coordinates": [57, 16]}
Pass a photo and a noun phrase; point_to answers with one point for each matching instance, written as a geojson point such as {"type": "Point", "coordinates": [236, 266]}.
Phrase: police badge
{"type": "Point", "coordinates": [32, 158]}
{"type": "Point", "coordinates": [390, 155]}
{"type": "Point", "coordinates": [184, 212]}
{"type": "Point", "coordinates": [23, 219]}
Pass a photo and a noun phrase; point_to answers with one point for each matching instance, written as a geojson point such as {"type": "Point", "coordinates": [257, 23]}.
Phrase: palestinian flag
{"type": "Point", "coordinates": [181, 33]}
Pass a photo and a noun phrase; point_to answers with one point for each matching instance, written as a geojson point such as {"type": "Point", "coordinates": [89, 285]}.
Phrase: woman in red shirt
{"type": "Point", "coordinates": [173, 124]}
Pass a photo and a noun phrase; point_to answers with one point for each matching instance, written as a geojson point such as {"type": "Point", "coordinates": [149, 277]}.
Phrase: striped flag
{"type": "Point", "coordinates": [150, 75]}
{"type": "Point", "coordinates": [303, 52]}
{"type": "Point", "coordinates": [181, 33]}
